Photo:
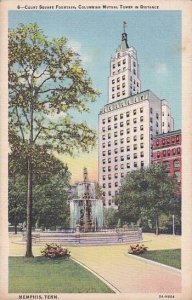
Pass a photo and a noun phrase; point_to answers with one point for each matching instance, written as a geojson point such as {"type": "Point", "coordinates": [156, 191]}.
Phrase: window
{"type": "Point", "coordinates": [151, 120]}
{"type": "Point", "coordinates": [173, 151]}
{"type": "Point", "coordinates": [178, 150]}
{"type": "Point", "coordinates": [115, 118]}
{"type": "Point", "coordinates": [134, 111]}
{"type": "Point", "coordinates": [109, 160]}
{"type": "Point", "coordinates": [135, 164]}
{"type": "Point", "coordinates": [118, 79]}
{"type": "Point", "coordinates": [164, 153]}
{"type": "Point", "coordinates": [113, 89]}
{"type": "Point", "coordinates": [167, 165]}
{"type": "Point", "coordinates": [151, 110]}
{"type": "Point", "coordinates": [122, 149]}
{"type": "Point", "coordinates": [124, 61]}
{"type": "Point", "coordinates": [157, 115]}
{"type": "Point", "coordinates": [177, 138]}
{"type": "Point", "coordinates": [113, 81]}
{"type": "Point", "coordinates": [135, 155]}
{"type": "Point", "coordinates": [116, 150]}
{"type": "Point", "coordinates": [123, 77]}
{"type": "Point", "coordinates": [157, 124]}
{"type": "Point", "coordinates": [122, 158]}
{"type": "Point", "coordinates": [109, 184]}
{"type": "Point", "coordinates": [103, 121]}
{"type": "Point", "coordinates": [135, 120]}
{"type": "Point", "coordinates": [128, 122]}
{"type": "Point", "coordinates": [128, 148]}
{"type": "Point", "coordinates": [173, 140]}
{"type": "Point", "coordinates": [168, 140]}
{"type": "Point", "coordinates": [142, 154]}
{"type": "Point", "coordinates": [109, 135]}
{"type": "Point", "coordinates": [109, 120]}
{"type": "Point", "coordinates": [109, 176]}
{"type": "Point", "coordinates": [103, 193]}
{"type": "Point", "coordinates": [113, 66]}
{"type": "Point", "coordinates": [123, 93]}
{"type": "Point", "coordinates": [104, 185]}
{"type": "Point", "coordinates": [163, 141]}
{"type": "Point", "coordinates": [103, 161]}
{"type": "Point", "coordinates": [137, 84]}
{"type": "Point", "coordinates": [104, 169]}
{"type": "Point", "coordinates": [118, 94]}
{"type": "Point", "coordinates": [103, 137]}
{"type": "Point", "coordinates": [115, 126]}
{"type": "Point", "coordinates": [128, 165]}
{"type": "Point", "coordinates": [116, 159]}
{"type": "Point", "coordinates": [103, 153]}
{"type": "Point", "coordinates": [141, 136]}
{"type": "Point", "coordinates": [157, 143]}
{"type": "Point", "coordinates": [142, 164]}
{"type": "Point", "coordinates": [119, 63]}
{"type": "Point", "coordinates": [122, 175]}
{"type": "Point", "coordinates": [115, 142]}
{"type": "Point", "coordinates": [118, 87]}
{"type": "Point", "coordinates": [116, 175]}
{"type": "Point", "coordinates": [121, 124]}
{"type": "Point", "coordinates": [158, 154]}
{"type": "Point", "coordinates": [168, 153]}
{"type": "Point", "coordinates": [123, 85]}
{"type": "Point", "coordinates": [128, 139]}
{"type": "Point", "coordinates": [113, 96]}
{"type": "Point", "coordinates": [109, 127]}
{"type": "Point", "coordinates": [134, 71]}
{"type": "Point", "coordinates": [141, 119]}
{"type": "Point", "coordinates": [121, 116]}
{"type": "Point", "coordinates": [116, 183]}
{"type": "Point", "coordinates": [128, 130]}
{"type": "Point", "coordinates": [135, 138]}
{"type": "Point", "coordinates": [176, 164]}
{"type": "Point", "coordinates": [109, 193]}
{"type": "Point", "coordinates": [121, 141]}
{"type": "Point", "coordinates": [115, 134]}
{"type": "Point", "coordinates": [134, 129]}
{"type": "Point", "coordinates": [141, 127]}
{"type": "Point", "coordinates": [122, 166]}
{"type": "Point", "coordinates": [121, 132]}
{"type": "Point", "coordinates": [141, 145]}
{"type": "Point", "coordinates": [127, 114]}
{"type": "Point", "coordinates": [109, 152]}
{"type": "Point", "coordinates": [151, 128]}
{"type": "Point", "coordinates": [128, 156]}
{"type": "Point", "coordinates": [103, 129]}
{"type": "Point", "coordinates": [135, 147]}
{"type": "Point", "coordinates": [103, 145]}
{"type": "Point", "coordinates": [103, 177]}
{"type": "Point", "coordinates": [178, 176]}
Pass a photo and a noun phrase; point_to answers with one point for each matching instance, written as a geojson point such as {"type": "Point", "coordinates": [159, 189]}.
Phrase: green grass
{"type": "Point", "coordinates": [171, 257]}
{"type": "Point", "coordinates": [42, 275]}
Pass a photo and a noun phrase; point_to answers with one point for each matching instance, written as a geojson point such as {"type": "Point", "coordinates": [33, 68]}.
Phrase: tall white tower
{"type": "Point", "coordinates": [124, 72]}
{"type": "Point", "coordinates": [127, 123]}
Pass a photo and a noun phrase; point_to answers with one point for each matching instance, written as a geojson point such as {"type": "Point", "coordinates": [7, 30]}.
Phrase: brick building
{"type": "Point", "coordinates": [167, 150]}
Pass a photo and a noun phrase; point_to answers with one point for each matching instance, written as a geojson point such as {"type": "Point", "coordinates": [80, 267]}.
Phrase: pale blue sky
{"type": "Point", "coordinates": [96, 35]}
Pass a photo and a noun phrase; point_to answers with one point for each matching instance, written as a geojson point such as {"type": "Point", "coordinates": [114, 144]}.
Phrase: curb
{"type": "Point", "coordinates": [112, 287]}
{"type": "Point", "coordinates": [155, 263]}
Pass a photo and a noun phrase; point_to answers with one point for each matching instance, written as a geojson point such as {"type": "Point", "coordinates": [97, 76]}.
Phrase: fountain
{"type": "Point", "coordinates": [86, 212]}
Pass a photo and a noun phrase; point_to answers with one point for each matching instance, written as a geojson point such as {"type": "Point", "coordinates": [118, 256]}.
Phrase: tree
{"type": "Point", "coordinates": [110, 217]}
{"type": "Point", "coordinates": [46, 79]}
{"type": "Point", "coordinates": [147, 193]}
{"type": "Point", "coordinates": [50, 184]}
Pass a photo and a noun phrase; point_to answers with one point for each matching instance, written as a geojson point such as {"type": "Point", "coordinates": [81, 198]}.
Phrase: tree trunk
{"type": "Point", "coordinates": [29, 211]}
{"type": "Point", "coordinates": [15, 226]}
{"type": "Point", "coordinates": [30, 191]}
{"type": "Point", "coordinates": [157, 225]}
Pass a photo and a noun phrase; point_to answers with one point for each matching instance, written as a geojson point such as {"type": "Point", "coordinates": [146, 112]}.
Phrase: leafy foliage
{"type": "Point", "coordinates": [137, 249]}
{"type": "Point", "coordinates": [146, 193]}
{"type": "Point", "coordinates": [46, 85]}
{"type": "Point", "coordinates": [110, 217]}
{"type": "Point", "coordinates": [55, 251]}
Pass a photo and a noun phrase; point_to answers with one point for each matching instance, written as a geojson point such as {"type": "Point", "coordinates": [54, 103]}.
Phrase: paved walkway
{"type": "Point", "coordinates": [126, 273]}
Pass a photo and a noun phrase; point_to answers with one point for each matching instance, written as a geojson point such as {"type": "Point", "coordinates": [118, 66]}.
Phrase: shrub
{"type": "Point", "coordinates": [137, 249]}
{"type": "Point", "coordinates": [55, 251]}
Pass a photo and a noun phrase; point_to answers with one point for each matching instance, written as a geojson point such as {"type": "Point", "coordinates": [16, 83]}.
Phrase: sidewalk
{"type": "Point", "coordinates": [125, 272]}
{"type": "Point", "coordinates": [128, 274]}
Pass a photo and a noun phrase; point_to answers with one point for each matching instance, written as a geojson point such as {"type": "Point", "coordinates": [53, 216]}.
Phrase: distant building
{"type": "Point", "coordinates": [167, 150]}
{"type": "Point", "coordinates": [128, 122]}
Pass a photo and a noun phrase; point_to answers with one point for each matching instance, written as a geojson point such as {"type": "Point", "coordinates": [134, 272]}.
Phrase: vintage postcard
{"type": "Point", "coordinates": [95, 149]}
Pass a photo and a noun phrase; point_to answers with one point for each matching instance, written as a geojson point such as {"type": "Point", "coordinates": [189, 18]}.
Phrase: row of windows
{"type": "Point", "coordinates": [176, 164]}
{"type": "Point", "coordinates": [169, 152]}
{"type": "Point", "coordinates": [122, 124]}
{"type": "Point", "coordinates": [135, 138]}
{"type": "Point", "coordinates": [118, 79]}
{"type": "Point", "coordinates": [119, 63]}
{"type": "Point", "coordinates": [118, 71]}
{"type": "Point", "coordinates": [122, 141]}
{"type": "Point", "coordinates": [116, 167]}
{"type": "Point", "coordinates": [122, 149]}
{"type": "Point", "coordinates": [122, 175]}
{"type": "Point", "coordinates": [121, 116]}
{"type": "Point", "coordinates": [167, 141]}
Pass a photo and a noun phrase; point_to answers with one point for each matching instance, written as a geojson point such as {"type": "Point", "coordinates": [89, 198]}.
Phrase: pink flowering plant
{"type": "Point", "coordinates": [137, 249]}
{"type": "Point", "coordinates": [55, 251]}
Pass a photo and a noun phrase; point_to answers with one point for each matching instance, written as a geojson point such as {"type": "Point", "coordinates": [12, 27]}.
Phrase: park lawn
{"type": "Point", "coordinates": [170, 257]}
{"type": "Point", "coordinates": [43, 275]}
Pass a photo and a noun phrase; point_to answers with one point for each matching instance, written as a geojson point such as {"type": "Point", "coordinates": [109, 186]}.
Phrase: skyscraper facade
{"type": "Point", "coordinates": [128, 122]}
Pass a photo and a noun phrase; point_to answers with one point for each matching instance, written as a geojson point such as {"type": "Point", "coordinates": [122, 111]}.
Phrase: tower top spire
{"type": "Point", "coordinates": [85, 174]}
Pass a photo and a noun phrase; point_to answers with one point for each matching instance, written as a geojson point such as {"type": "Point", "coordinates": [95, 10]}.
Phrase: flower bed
{"type": "Point", "coordinates": [137, 249]}
{"type": "Point", "coordinates": [55, 251]}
